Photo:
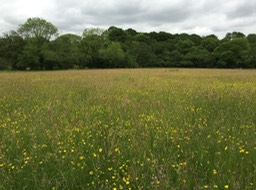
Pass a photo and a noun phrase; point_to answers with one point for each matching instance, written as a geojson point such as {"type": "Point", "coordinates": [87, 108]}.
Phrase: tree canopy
{"type": "Point", "coordinates": [37, 28]}
{"type": "Point", "coordinates": [36, 45]}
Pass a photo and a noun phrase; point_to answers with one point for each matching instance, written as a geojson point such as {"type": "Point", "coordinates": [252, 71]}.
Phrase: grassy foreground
{"type": "Point", "coordinates": [128, 129]}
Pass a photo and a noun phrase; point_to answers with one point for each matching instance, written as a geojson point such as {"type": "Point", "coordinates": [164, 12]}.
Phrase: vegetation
{"type": "Point", "coordinates": [36, 45]}
{"type": "Point", "coordinates": [128, 129]}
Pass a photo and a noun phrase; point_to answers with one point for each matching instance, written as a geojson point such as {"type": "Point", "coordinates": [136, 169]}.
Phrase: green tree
{"type": "Point", "coordinates": [233, 54]}
{"type": "Point", "coordinates": [230, 36]}
{"type": "Point", "coordinates": [196, 39]}
{"type": "Point", "coordinates": [144, 54]}
{"type": "Point", "coordinates": [210, 43]}
{"type": "Point", "coordinates": [184, 46]}
{"type": "Point", "coordinates": [92, 42]}
{"type": "Point", "coordinates": [37, 33]}
{"type": "Point", "coordinates": [64, 53]}
{"type": "Point", "coordinates": [117, 34]}
{"type": "Point", "coordinates": [200, 57]}
{"type": "Point", "coordinates": [175, 58]}
{"type": "Point", "coordinates": [11, 46]}
{"type": "Point", "coordinates": [252, 41]}
{"type": "Point", "coordinates": [38, 28]}
{"type": "Point", "coordinates": [112, 56]}
{"type": "Point", "coordinates": [31, 57]}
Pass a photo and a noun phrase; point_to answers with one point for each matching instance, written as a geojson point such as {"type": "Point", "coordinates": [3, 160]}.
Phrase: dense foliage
{"type": "Point", "coordinates": [36, 46]}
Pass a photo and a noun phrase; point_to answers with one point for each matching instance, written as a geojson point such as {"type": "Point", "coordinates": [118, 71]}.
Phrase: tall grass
{"type": "Point", "coordinates": [128, 129]}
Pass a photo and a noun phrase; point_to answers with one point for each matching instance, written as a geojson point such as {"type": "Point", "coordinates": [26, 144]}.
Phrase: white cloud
{"type": "Point", "coordinates": [202, 17]}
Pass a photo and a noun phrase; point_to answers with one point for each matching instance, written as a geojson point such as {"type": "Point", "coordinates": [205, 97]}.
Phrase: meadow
{"type": "Point", "coordinates": [177, 129]}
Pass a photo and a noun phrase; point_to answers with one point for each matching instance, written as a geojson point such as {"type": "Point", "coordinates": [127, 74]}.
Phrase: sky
{"type": "Point", "coordinates": [202, 17]}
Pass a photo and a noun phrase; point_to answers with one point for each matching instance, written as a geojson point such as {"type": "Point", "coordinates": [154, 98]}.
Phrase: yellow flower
{"type": "Point", "coordinates": [100, 149]}
{"type": "Point", "coordinates": [242, 151]}
{"type": "Point", "coordinates": [226, 186]}
{"type": "Point", "coordinates": [91, 172]}
{"type": "Point", "coordinates": [81, 158]}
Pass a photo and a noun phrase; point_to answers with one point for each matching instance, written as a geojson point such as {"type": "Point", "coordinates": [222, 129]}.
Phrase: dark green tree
{"type": "Point", "coordinates": [252, 41]}
{"type": "Point", "coordinates": [64, 53]}
{"type": "Point", "coordinates": [92, 42]}
{"type": "Point", "coordinates": [196, 39]}
{"type": "Point", "coordinates": [11, 46]}
{"type": "Point", "coordinates": [144, 54]}
{"type": "Point", "coordinates": [183, 46]}
{"type": "Point", "coordinates": [117, 34]}
{"type": "Point", "coordinates": [233, 54]}
{"type": "Point", "coordinates": [230, 36]}
{"type": "Point", "coordinates": [210, 43]}
{"type": "Point", "coordinates": [112, 56]}
{"type": "Point", "coordinates": [200, 57]}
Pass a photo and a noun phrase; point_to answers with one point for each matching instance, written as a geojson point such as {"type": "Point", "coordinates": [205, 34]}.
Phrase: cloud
{"type": "Point", "coordinates": [177, 16]}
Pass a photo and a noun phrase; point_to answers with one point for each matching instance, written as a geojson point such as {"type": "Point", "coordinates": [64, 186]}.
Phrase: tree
{"type": "Point", "coordinates": [11, 46]}
{"type": "Point", "coordinates": [196, 39]}
{"type": "Point", "coordinates": [37, 33]}
{"type": "Point", "coordinates": [112, 56]}
{"type": "Point", "coordinates": [38, 28]}
{"type": "Point", "coordinates": [210, 43]}
{"type": "Point", "coordinates": [64, 53]}
{"type": "Point", "coordinates": [143, 54]}
{"type": "Point", "coordinates": [31, 57]}
{"type": "Point", "coordinates": [230, 36]}
{"type": "Point", "coordinates": [175, 58]}
{"type": "Point", "coordinates": [184, 46]}
{"type": "Point", "coordinates": [91, 43]}
{"type": "Point", "coordinates": [252, 41]}
{"type": "Point", "coordinates": [200, 57]}
{"type": "Point", "coordinates": [233, 54]}
{"type": "Point", "coordinates": [131, 32]}
{"type": "Point", "coordinates": [117, 34]}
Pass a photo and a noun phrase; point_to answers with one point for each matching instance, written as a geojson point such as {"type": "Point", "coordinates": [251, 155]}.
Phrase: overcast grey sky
{"type": "Point", "coordinates": [201, 17]}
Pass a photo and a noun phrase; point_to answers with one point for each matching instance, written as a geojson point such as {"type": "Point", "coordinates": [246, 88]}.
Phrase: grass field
{"type": "Point", "coordinates": [128, 129]}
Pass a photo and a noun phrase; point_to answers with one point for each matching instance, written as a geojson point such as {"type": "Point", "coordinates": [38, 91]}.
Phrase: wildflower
{"type": "Point", "coordinates": [81, 157]}
{"type": "Point", "coordinates": [100, 149]}
{"type": "Point", "coordinates": [91, 173]}
{"type": "Point", "coordinates": [242, 151]}
{"type": "Point", "coordinates": [226, 186]}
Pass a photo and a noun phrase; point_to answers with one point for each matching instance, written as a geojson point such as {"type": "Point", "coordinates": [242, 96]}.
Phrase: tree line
{"type": "Point", "coordinates": [36, 45]}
